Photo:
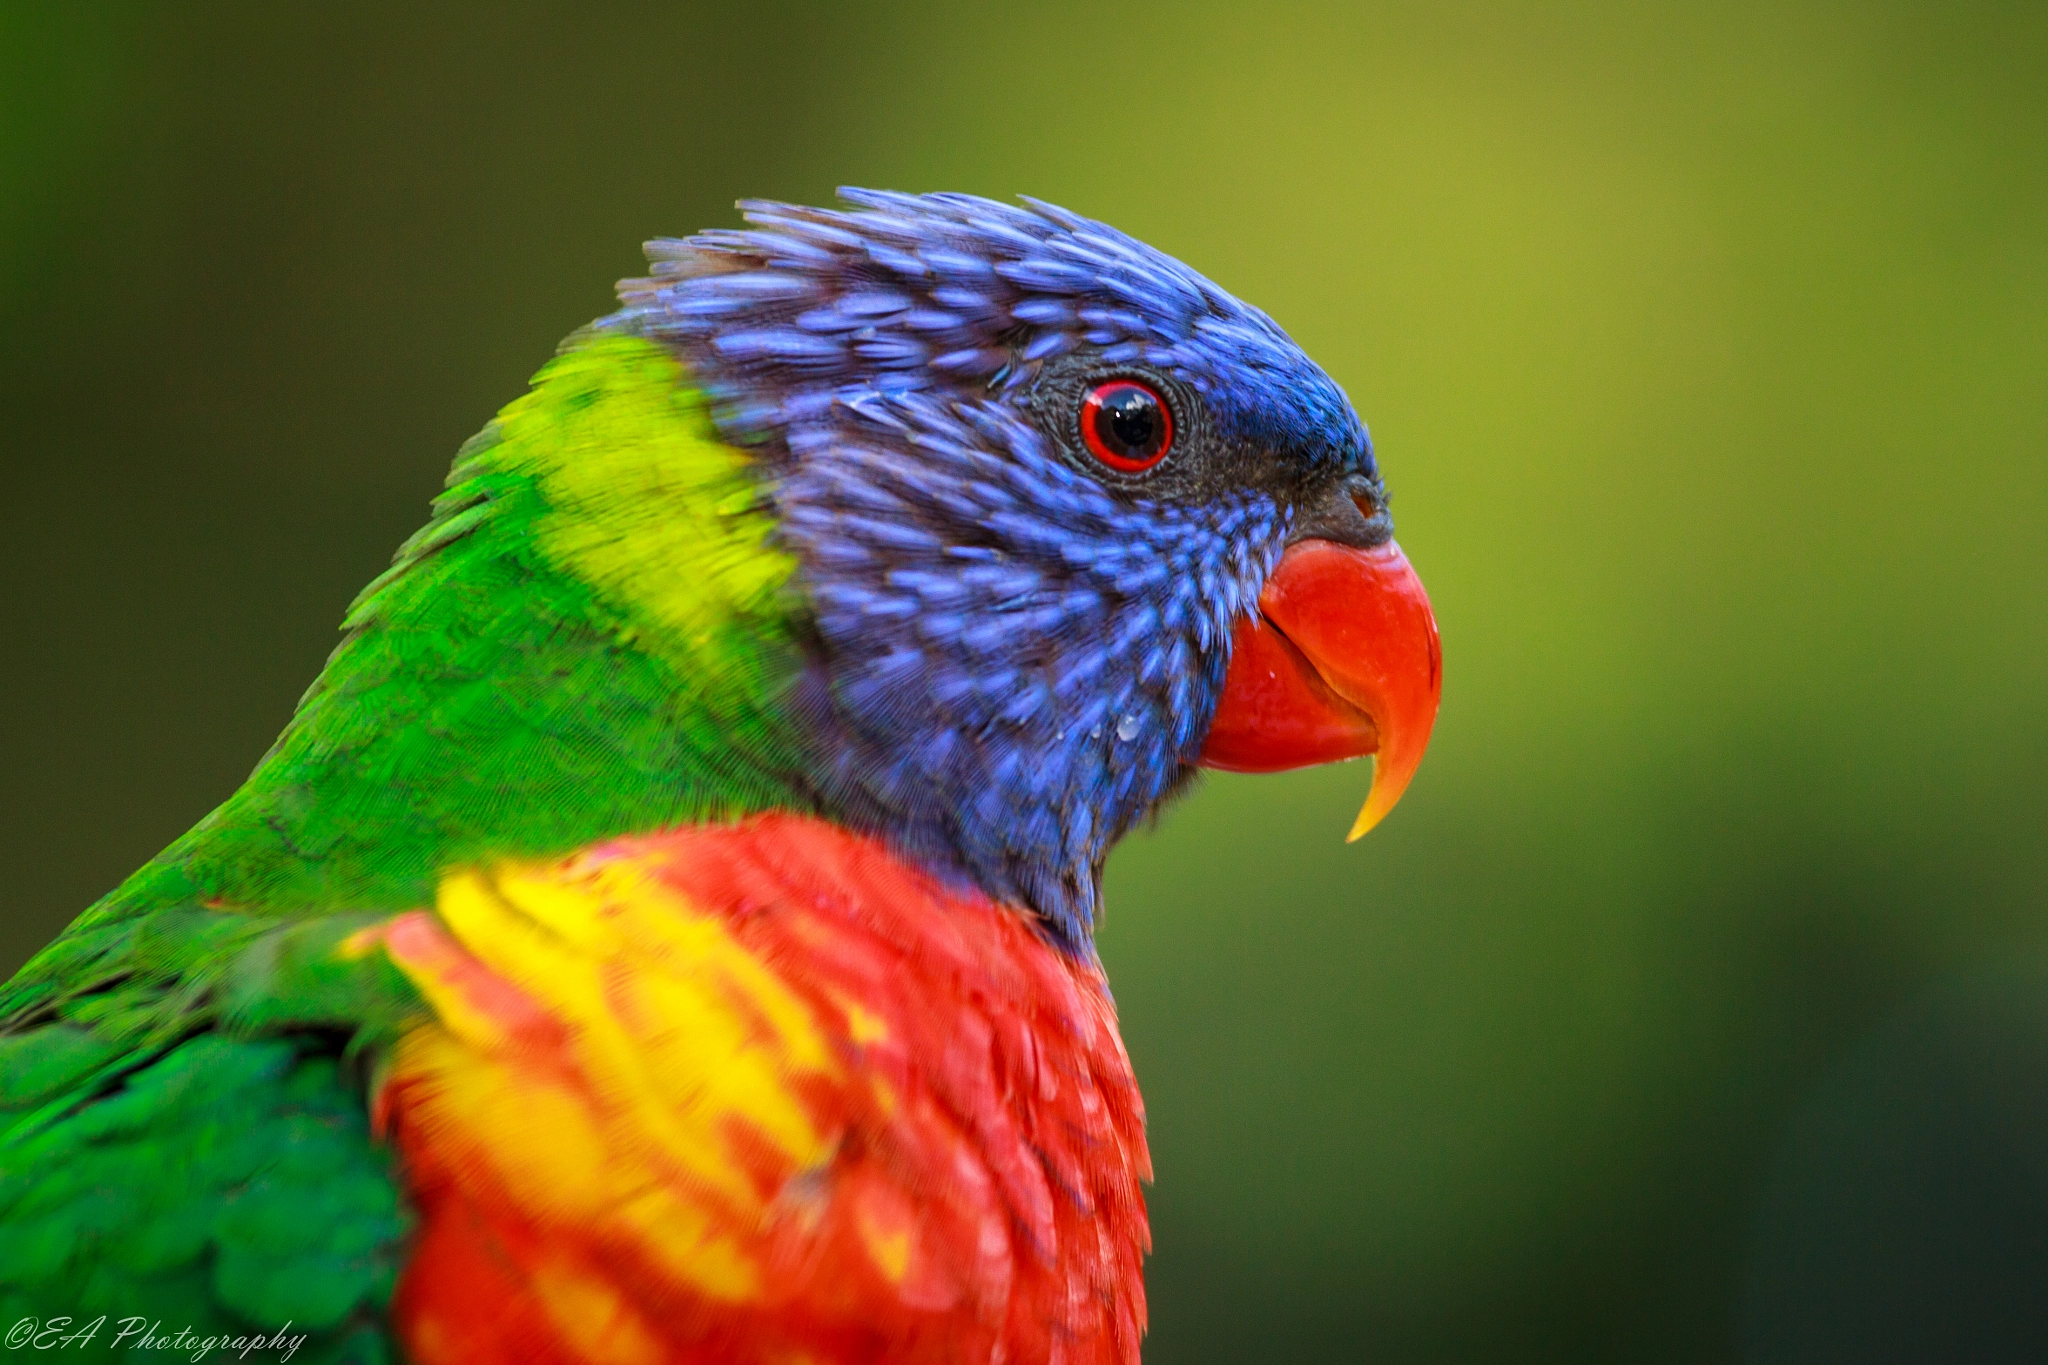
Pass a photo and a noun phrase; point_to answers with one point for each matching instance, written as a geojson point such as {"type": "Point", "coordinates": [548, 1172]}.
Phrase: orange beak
{"type": "Point", "coordinates": [1340, 660]}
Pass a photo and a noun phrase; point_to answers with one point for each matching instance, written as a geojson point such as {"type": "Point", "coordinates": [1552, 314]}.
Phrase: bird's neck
{"type": "Point", "coordinates": [589, 639]}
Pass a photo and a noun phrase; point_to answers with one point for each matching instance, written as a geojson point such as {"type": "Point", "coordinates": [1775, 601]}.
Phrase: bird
{"type": "Point", "coordinates": [665, 930]}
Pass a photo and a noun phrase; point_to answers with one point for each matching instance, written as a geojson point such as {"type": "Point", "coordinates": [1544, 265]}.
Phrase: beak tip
{"type": "Point", "coordinates": [1371, 812]}
{"type": "Point", "coordinates": [1390, 776]}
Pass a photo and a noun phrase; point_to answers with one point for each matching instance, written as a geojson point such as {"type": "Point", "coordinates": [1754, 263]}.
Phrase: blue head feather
{"type": "Point", "coordinates": [1014, 660]}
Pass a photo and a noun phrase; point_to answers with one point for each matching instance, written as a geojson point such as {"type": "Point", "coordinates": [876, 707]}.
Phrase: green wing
{"type": "Point", "coordinates": [225, 1186]}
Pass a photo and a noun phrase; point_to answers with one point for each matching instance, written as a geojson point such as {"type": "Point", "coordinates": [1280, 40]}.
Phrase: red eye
{"type": "Point", "coordinates": [1126, 425]}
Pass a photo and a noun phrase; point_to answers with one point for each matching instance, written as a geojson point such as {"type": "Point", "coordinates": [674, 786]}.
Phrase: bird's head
{"type": "Point", "coordinates": [1069, 522]}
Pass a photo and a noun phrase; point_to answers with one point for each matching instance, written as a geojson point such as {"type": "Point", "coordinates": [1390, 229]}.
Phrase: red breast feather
{"type": "Point", "coordinates": [760, 1093]}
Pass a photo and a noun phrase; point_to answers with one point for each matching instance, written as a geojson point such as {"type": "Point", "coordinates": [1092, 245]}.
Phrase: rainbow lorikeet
{"type": "Point", "coordinates": [664, 931]}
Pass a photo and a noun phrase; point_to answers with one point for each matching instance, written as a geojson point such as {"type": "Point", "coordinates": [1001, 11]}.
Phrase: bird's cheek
{"type": "Point", "coordinates": [1341, 660]}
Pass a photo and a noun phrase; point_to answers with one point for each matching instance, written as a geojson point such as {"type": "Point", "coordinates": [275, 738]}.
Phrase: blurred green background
{"type": "Point", "coordinates": [1694, 1005]}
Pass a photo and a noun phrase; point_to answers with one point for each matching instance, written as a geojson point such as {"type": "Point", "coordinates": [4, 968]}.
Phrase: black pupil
{"type": "Point", "coordinates": [1128, 421]}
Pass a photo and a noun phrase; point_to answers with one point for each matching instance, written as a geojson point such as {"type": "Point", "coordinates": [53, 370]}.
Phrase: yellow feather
{"type": "Point", "coordinates": [675, 1032]}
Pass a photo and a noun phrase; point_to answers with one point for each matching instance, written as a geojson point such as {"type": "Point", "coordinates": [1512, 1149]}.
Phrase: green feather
{"type": "Point", "coordinates": [589, 638]}
{"type": "Point", "coordinates": [227, 1184]}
